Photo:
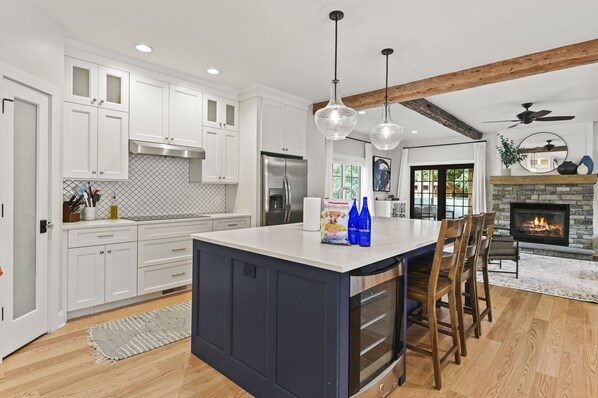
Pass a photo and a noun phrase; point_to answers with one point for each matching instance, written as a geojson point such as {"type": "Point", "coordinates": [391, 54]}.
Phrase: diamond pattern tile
{"type": "Point", "coordinates": [156, 186]}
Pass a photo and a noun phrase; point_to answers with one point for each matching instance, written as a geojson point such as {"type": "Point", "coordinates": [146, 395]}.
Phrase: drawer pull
{"type": "Point", "coordinates": [179, 274]}
{"type": "Point", "coordinates": [106, 236]}
{"type": "Point", "coordinates": [232, 225]}
{"type": "Point", "coordinates": [180, 249]}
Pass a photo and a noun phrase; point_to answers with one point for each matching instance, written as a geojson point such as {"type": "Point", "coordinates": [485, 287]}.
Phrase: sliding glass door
{"type": "Point", "coordinates": [439, 192]}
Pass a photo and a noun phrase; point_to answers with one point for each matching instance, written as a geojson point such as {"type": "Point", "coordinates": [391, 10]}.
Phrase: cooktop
{"type": "Point", "coordinates": [164, 217]}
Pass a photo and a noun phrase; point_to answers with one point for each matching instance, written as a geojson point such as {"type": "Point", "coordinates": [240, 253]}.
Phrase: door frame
{"type": "Point", "coordinates": [442, 167]}
{"type": "Point", "coordinates": [57, 309]}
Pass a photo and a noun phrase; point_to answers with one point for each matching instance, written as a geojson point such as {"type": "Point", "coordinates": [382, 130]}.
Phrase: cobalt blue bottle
{"type": "Point", "coordinates": [354, 224]}
{"type": "Point", "coordinates": [365, 225]}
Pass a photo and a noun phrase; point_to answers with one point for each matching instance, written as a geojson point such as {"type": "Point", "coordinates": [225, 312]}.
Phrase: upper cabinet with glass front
{"type": "Point", "coordinates": [96, 85]}
{"type": "Point", "coordinates": [220, 113]}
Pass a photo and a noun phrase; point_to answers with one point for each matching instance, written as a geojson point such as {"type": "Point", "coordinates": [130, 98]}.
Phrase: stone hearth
{"type": "Point", "coordinates": [579, 196]}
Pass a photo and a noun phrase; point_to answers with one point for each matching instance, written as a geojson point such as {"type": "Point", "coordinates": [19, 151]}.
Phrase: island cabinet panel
{"type": "Point", "coordinates": [212, 299]}
{"type": "Point", "coordinates": [249, 343]}
{"type": "Point", "coordinates": [303, 321]}
{"type": "Point", "coordinates": [274, 327]}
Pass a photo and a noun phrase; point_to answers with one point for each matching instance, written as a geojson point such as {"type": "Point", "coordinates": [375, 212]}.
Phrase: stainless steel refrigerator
{"type": "Point", "coordinates": [284, 185]}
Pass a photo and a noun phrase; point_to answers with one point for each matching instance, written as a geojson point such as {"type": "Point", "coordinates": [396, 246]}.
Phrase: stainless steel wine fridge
{"type": "Point", "coordinates": [376, 341]}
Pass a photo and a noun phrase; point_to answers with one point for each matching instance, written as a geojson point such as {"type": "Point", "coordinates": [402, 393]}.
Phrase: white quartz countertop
{"type": "Point", "coordinates": [125, 222]}
{"type": "Point", "coordinates": [390, 237]}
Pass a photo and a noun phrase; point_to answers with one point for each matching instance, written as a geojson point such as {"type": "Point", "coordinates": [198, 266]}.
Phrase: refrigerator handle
{"type": "Point", "coordinates": [284, 200]}
{"type": "Point", "coordinates": [287, 200]}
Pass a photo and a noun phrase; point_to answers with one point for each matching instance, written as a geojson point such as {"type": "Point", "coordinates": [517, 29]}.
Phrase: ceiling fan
{"type": "Point", "coordinates": [527, 116]}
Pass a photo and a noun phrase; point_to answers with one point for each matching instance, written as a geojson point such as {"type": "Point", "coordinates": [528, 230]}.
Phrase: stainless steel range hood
{"type": "Point", "coordinates": [178, 151]}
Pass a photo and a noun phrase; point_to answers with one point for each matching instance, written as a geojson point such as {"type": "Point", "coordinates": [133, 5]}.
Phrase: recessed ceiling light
{"type": "Point", "coordinates": [362, 112]}
{"type": "Point", "coordinates": [213, 71]}
{"type": "Point", "coordinates": [414, 131]}
{"type": "Point", "coordinates": [144, 48]}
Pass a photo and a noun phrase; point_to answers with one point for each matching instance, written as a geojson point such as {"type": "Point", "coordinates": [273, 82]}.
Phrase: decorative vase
{"type": "Point", "coordinates": [588, 162]}
{"type": "Point", "coordinates": [582, 169]}
{"type": "Point", "coordinates": [505, 172]}
{"type": "Point", "coordinates": [567, 168]}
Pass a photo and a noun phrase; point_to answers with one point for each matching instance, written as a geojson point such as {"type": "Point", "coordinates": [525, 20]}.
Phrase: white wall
{"type": "Point", "coordinates": [30, 41]}
{"type": "Point", "coordinates": [316, 158]}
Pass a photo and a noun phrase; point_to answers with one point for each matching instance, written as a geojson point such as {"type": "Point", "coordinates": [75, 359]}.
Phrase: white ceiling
{"type": "Point", "coordinates": [288, 45]}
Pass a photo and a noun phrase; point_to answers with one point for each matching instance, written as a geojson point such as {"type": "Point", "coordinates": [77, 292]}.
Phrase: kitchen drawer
{"type": "Point", "coordinates": [164, 251]}
{"type": "Point", "coordinates": [162, 277]}
{"type": "Point", "coordinates": [232, 223]}
{"type": "Point", "coordinates": [101, 236]}
{"type": "Point", "coordinates": [173, 230]}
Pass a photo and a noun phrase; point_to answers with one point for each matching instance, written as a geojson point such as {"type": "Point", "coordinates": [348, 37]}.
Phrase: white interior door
{"type": "Point", "coordinates": [24, 175]}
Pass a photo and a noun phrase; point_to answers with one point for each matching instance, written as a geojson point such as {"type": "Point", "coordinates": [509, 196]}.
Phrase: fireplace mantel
{"type": "Point", "coordinates": [572, 179]}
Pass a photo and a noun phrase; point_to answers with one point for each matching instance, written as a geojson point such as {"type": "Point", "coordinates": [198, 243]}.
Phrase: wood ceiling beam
{"type": "Point", "coordinates": [439, 115]}
{"type": "Point", "coordinates": [514, 68]}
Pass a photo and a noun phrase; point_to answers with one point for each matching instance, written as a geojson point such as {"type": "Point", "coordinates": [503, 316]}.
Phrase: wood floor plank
{"type": "Point", "coordinates": [551, 351]}
{"type": "Point", "coordinates": [539, 345]}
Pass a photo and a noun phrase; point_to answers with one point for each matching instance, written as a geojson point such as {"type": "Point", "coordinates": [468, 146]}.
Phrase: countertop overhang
{"type": "Point", "coordinates": [390, 237]}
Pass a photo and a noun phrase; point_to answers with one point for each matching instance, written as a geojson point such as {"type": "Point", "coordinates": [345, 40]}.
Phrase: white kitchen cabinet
{"type": "Point", "coordinates": [164, 276]}
{"type": "Point", "coordinates": [185, 116]}
{"type": "Point", "coordinates": [112, 145]}
{"type": "Point", "coordinates": [149, 109]}
{"type": "Point", "coordinates": [80, 138]}
{"type": "Point", "coordinates": [95, 143]}
{"type": "Point", "coordinates": [295, 131]}
{"type": "Point", "coordinates": [120, 271]}
{"type": "Point", "coordinates": [220, 113]}
{"type": "Point", "coordinates": [96, 85]}
{"type": "Point", "coordinates": [283, 128]}
{"type": "Point", "coordinates": [85, 277]}
{"type": "Point", "coordinates": [221, 164]}
{"type": "Point", "coordinates": [272, 126]}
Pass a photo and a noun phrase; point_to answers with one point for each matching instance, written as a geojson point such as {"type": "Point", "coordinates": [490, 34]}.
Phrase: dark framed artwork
{"type": "Point", "coordinates": [381, 178]}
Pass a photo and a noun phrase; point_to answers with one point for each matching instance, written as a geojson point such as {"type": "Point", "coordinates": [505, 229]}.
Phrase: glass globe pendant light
{"type": "Point", "coordinates": [336, 120]}
{"type": "Point", "coordinates": [386, 135]}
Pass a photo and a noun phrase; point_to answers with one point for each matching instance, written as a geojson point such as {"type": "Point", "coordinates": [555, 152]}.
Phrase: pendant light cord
{"type": "Point", "coordinates": [386, 92]}
{"type": "Point", "coordinates": [335, 55]}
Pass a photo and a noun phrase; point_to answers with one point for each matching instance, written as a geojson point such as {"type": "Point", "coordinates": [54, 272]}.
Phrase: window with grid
{"type": "Point", "coordinates": [345, 175]}
{"type": "Point", "coordinates": [439, 192]}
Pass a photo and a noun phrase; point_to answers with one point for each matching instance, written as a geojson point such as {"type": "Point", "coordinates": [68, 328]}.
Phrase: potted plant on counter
{"type": "Point", "coordinates": [509, 154]}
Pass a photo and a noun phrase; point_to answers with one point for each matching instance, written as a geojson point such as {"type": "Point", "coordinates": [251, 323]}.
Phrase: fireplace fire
{"type": "Point", "coordinates": [540, 223]}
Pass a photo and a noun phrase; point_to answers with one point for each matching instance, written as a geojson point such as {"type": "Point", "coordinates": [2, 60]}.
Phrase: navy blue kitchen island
{"type": "Point", "coordinates": [275, 311]}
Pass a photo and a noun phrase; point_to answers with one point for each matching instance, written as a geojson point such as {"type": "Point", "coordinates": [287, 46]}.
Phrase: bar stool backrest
{"type": "Point", "coordinates": [445, 261]}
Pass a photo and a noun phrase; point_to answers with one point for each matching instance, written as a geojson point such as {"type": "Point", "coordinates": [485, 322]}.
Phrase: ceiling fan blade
{"type": "Point", "coordinates": [538, 114]}
{"type": "Point", "coordinates": [515, 125]}
{"type": "Point", "coordinates": [554, 118]}
{"type": "Point", "coordinates": [502, 121]}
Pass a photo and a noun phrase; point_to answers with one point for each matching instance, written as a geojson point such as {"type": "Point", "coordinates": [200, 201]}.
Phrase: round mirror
{"type": "Point", "coordinates": [545, 152]}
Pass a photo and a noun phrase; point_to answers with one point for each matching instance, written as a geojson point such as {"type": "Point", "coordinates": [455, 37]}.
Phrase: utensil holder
{"type": "Point", "coordinates": [67, 216]}
{"type": "Point", "coordinates": [89, 213]}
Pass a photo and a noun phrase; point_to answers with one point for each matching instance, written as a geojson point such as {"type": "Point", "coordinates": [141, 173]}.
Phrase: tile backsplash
{"type": "Point", "coordinates": [157, 185]}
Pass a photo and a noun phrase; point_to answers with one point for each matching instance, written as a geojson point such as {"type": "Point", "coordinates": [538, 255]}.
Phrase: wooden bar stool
{"type": "Point", "coordinates": [467, 273]}
{"type": "Point", "coordinates": [428, 287]}
{"type": "Point", "coordinates": [483, 259]}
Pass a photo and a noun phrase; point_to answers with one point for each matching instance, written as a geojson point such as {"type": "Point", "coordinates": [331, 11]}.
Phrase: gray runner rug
{"type": "Point", "coordinates": [140, 333]}
{"type": "Point", "coordinates": [562, 277]}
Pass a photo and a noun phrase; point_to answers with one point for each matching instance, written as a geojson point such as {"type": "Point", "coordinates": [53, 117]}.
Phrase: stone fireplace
{"type": "Point", "coordinates": [549, 215]}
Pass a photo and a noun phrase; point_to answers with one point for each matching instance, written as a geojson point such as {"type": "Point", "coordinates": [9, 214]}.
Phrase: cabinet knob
{"type": "Point", "coordinates": [93, 172]}
{"type": "Point", "coordinates": [220, 124]}
{"type": "Point", "coordinates": [101, 172]}
{"type": "Point", "coordinates": [93, 100]}
{"type": "Point", "coordinates": [101, 102]}
{"type": "Point", "coordinates": [172, 139]}
{"type": "Point", "coordinates": [224, 178]}
{"type": "Point", "coordinates": [101, 251]}
{"type": "Point", "coordinates": [109, 251]}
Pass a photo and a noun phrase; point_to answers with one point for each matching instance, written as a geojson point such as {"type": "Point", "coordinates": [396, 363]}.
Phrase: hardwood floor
{"type": "Point", "coordinates": [537, 346]}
